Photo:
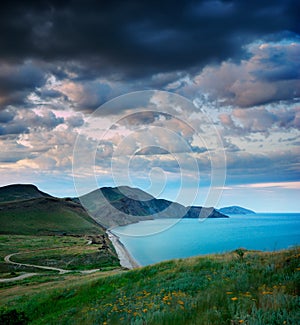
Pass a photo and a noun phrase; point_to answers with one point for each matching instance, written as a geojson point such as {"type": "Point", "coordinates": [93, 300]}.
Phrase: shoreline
{"type": "Point", "coordinates": [126, 260]}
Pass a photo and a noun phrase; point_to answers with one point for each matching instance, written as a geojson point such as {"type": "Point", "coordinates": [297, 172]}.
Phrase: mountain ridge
{"type": "Point", "coordinates": [106, 206]}
{"type": "Point", "coordinates": [118, 206]}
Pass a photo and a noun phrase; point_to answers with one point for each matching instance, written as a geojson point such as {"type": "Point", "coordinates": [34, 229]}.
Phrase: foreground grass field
{"type": "Point", "coordinates": [234, 288]}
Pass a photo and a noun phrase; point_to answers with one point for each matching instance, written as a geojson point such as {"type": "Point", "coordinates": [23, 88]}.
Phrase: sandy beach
{"type": "Point", "coordinates": [126, 260]}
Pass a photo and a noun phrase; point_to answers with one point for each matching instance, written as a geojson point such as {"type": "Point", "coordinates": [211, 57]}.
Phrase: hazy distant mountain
{"type": "Point", "coordinates": [124, 205]}
{"type": "Point", "coordinates": [235, 210]}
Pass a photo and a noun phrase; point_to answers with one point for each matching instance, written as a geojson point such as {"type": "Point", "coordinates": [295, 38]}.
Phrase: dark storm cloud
{"type": "Point", "coordinates": [279, 166]}
{"type": "Point", "coordinates": [139, 37]}
{"type": "Point", "coordinates": [18, 81]}
{"type": "Point", "coordinates": [6, 116]}
{"type": "Point", "coordinates": [15, 122]}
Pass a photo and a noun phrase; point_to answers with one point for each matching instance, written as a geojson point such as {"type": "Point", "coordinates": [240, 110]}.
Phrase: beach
{"type": "Point", "coordinates": [126, 260]}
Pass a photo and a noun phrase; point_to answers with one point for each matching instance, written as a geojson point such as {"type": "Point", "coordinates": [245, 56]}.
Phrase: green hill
{"type": "Point", "coordinates": [17, 192]}
{"type": "Point", "coordinates": [45, 228]}
{"type": "Point", "coordinates": [25, 210]}
{"type": "Point", "coordinates": [45, 216]}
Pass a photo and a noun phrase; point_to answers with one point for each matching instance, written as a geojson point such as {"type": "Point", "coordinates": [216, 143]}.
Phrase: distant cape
{"type": "Point", "coordinates": [235, 210]}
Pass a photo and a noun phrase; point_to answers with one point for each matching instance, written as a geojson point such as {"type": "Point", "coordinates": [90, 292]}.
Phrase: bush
{"type": "Point", "coordinates": [13, 317]}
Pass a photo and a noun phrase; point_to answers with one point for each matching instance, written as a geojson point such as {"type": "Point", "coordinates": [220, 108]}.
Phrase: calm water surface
{"type": "Point", "coordinates": [189, 237]}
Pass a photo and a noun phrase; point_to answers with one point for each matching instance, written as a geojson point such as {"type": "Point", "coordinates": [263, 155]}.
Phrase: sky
{"type": "Point", "coordinates": [193, 101]}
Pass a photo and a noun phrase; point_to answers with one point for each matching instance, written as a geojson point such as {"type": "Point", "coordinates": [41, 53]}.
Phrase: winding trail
{"type": "Point", "coordinates": [20, 277]}
{"type": "Point", "coordinates": [125, 258]}
{"type": "Point", "coordinates": [50, 268]}
{"type": "Point", "coordinates": [61, 271]}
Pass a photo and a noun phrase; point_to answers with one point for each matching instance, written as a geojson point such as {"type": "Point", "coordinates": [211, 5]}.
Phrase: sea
{"type": "Point", "coordinates": [153, 241]}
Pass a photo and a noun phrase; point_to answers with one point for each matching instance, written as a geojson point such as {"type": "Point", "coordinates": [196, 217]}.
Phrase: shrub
{"type": "Point", "coordinates": [13, 317]}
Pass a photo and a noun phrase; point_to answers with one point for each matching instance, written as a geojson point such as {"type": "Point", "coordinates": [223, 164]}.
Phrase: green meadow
{"type": "Point", "coordinates": [66, 252]}
{"type": "Point", "coordinates": [241, 287]}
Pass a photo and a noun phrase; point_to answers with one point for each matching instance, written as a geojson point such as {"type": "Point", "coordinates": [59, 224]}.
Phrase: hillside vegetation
{"type": "Point", "coordinates": [18, 192]}
{"type": "Point", "coordinates": [46, 216]}
{"type": "Point", "coordinates": [241, 287]}
{"type": "Point", "coordinates": [25, 210]}
{"type": "Point", "coordinates": [51, 232]}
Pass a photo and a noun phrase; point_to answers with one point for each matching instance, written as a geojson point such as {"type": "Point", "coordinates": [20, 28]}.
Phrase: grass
{"type": "Point", "coordinates": [44, 216]}
{"type": "Point", "coordinates": [259, 288]}
{"type": "Point", "coordinates": [72, 258]}
{"type": "Point", "coordinates": [67, 252]}
{"type": "Point", "coordinates": [19, 192]}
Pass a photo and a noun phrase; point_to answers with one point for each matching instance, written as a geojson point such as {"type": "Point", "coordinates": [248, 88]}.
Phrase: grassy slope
{"type": "Point", "coordinates": [45, 216]}
{"type": "Point", "coordinates": [18, 192]}
{"type": "Point", "coordinates": [27, 218]}
{"type": "Point", "coordinates": [260, 288]}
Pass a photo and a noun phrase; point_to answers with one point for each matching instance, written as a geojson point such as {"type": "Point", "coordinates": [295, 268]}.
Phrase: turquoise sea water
{"type": "Point", "coordinates": [190, 237]}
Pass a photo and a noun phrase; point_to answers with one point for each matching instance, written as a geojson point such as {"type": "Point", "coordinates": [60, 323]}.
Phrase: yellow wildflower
{"type": "Point", "coordinates": [234, 298]}
{"type": "Point", "coordinates": [229, 292]}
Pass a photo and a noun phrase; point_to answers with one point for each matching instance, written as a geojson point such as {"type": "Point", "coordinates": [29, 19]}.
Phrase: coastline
{"type": "Point", "coordinates": [126, 260]}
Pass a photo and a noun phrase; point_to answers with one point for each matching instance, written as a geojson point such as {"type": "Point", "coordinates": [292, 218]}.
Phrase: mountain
{"type": "Point", "coordinates": [124, 205]}
{"type": "Point", "coordinates": [19, 192]}
{"type": "Point", "coordinates": [235, 210]}
{"type": "Point", "coordinates": [25, 210]}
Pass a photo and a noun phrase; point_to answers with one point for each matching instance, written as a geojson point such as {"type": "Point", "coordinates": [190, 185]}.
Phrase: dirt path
{"type": "Point", "coordinates": [50, 268]}
{"type": "Point", "coordinates": [61, 271]}
{"type": "Point", "coordinates": [20, 277]}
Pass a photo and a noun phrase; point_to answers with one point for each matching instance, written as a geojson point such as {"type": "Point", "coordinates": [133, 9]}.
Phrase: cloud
{"type": "Point", "coordinates": [44, 152]}
{"type": "Point", "coordinates": [260, 167]}
{"type": "Point", "coordinates": [284, 185]}
{"type": "Point", "coordinates": [255, 120]}
{"type": "Point", "coordinates": [17, 81]}
{"type": "Point", "coordinates": [245, 122]}
{"type": "Point", "coordinates": [139, 37]}
{"type": "Point", "coordinates": [6, 116]}
{"type": "Point", "coordinates": [74, 121]}
{"type": "Point", "coordinates": [86, 95]}
{"type": "Point", "coordinates": [268, 74]}
{"type": "Point", "coordinates": [152, 150]}
{"type": "Point", "coordinates": [24, 120]}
